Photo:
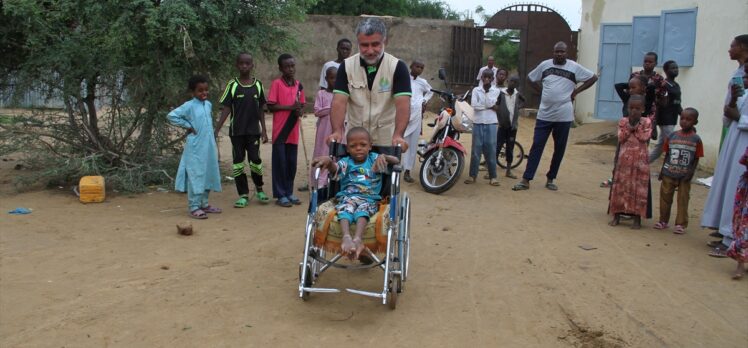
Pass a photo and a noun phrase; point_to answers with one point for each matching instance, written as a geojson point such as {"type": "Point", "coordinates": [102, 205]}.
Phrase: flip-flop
{"type": "Point", "coordinates": [304, 188]}
{"type": "Point", "coordinates": [660, 225]}
{"type": "Point", "coordinates": [211, 209]}
{"type": "Point", "coordinates": [487, 177]}
{"type": "Point", "coordinates": [714, 243]}
{"type": "Point", "coordinates": [716, 234]}
{"type": "Point", "coordinates": [551, 186]}
{"type": "Point", "coordinates": [494, 182]}
{"type": "Point", "coordinates": [679, 229]}
{"type": "Point", "coordinates": [198, 214]}
{"type": "Point", "coordinates": [520, 187]}
{"type": "Point", "coordinates": [718, 252]}
{"type": "Point", "coordinates": [295, 200]}
{"type": "Point", "coordinates": [262, 197]}
{"type": "Point", "coordinates": [470, 181]}
{"type": "Point", "coordinates": [241, 202]}
{"type": "Point", "coordinates": [511, 176]}
{"type": "Point", "coordinates": [283, 202]}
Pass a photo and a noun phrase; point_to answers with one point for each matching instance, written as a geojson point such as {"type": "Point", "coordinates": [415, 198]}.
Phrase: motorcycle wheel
{"type": "Point", "coordinates": [439, 178]}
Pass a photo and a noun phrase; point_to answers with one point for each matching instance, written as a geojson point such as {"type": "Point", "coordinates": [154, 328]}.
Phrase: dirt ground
{"type": "Point", "coordinates": [490, 268]}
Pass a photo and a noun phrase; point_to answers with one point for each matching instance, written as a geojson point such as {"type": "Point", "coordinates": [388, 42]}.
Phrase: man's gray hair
{"type": "Point", "coordinates": [370, 26]}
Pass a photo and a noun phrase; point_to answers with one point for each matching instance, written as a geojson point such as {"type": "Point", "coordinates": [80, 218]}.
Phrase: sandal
{"type": "Point", "coordinates": [470, 181]}
{"type": "Point", "coordinates": [295, 200]}
{"type": "Point", "coordinates": [283, 202]}
{"type": "Point", "coordinates": [304, 188]}
{"type": "Point", "coordinates": [661, 225]}
{"type": "Point", "coordinates": [510, 175]}
{"type": "Point", "coordinates": [679, 229]}
{"type": "Point", "coordinates": [486, 177]}
{"type": "Point", "coordinates": [198, 214]}
{"type": "Point", "coordinates": [211, 209]}
{"type": "Point", "coordinates": [551, 186]}
{"type": "Point", "coordinates": [520, 187]}
{"type": "Point", "coordinates": [720, 251]}
{"type": "Point", "coordinates": [241, 202]}
{"type": "Point", "coordinates": [262, 197]}
{"type": "Point", "coordinates": [716, 234]}
{"type": "Point", "coordinates": [493, 182]}
{"type": "Point", "coordinates": [714, 243]}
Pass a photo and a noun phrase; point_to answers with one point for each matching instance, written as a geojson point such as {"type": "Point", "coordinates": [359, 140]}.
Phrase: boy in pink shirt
{"type": "Point", "coordinates": [285, 101]}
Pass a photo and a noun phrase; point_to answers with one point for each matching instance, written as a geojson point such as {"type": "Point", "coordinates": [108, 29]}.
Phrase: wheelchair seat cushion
{"type": "Point", "coordinates": [329, 235]}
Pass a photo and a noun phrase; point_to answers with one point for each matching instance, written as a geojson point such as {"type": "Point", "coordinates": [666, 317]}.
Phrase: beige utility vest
{"type": "Point", "coordinates": [372, 109]}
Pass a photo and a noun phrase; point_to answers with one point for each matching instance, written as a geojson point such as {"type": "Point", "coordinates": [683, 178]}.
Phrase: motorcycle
{"type": "Point", "coordinates": [443, 157]}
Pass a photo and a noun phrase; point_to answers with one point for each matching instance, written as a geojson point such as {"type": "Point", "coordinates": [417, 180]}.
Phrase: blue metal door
{"type": "Point", "coordinates": [614, 65]}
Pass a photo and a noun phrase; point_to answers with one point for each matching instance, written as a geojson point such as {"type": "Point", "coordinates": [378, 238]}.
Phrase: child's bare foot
{"type": "Point", "coordinates": [359, 247]}
{"type": "Point", "coordinates": [739, 272]}
{"type": "Point", "coordinates": [616, 220]}
{"type": "Point", "coordinates": [347, 247]}
{"type": "Point", "coordinates": [637, 223]}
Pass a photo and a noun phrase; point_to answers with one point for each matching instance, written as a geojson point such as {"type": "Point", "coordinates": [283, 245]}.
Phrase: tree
{"type": "Point", "coordinates": [120, 66]}
{"type": "Point", "coordinates": [398, 8]}
{"type": "Point", "coordinates": [505, 52]}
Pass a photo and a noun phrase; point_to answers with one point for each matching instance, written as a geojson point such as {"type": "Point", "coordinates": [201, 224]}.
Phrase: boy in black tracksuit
{"type": "Point", "coordinates": [244, 99]}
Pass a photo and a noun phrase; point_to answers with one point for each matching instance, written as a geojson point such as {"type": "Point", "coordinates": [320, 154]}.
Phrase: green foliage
{"type": "Point", "coordinates": [398, 8]}
{"type": "Point", "coordinates": [119, 67]}
{"type": "Point", "coordinates": [505, 52]}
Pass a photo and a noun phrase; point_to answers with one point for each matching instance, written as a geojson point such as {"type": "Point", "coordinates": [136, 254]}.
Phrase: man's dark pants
{"type": "Point", "coordinates": [544, 129]}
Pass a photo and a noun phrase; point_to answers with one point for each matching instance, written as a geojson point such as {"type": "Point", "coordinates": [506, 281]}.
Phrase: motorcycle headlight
{"type": "Point", "coordinates": [467, 124]}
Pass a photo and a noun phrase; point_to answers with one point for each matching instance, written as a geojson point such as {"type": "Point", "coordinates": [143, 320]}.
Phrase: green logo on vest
{"type": "Point", "coordinates": [384, 85]}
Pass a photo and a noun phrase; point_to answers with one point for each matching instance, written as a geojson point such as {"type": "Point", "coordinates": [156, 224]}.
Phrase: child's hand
{"type": "Point", "coordinates": [264, 137]}
{"type": "Point", "coordinates": [659, 177]}
{"type": "Point", "coordinates": [297, 106]}
{"type": "Point", "coordinates": [380, 164]}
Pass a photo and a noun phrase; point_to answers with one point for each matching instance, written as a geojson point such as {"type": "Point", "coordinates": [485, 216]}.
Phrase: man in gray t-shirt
{"type": "Point", "coordinates": [559, 78]}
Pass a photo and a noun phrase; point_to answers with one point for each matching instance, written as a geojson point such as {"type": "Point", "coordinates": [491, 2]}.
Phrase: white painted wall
{"type": "Point", "coordinates": [704, 85]}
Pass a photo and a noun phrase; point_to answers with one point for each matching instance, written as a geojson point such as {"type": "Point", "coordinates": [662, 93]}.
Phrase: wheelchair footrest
{"type": "Point", "coordinates": [365, 293]}
{"type": "Point", "coordinates": [328, 290]}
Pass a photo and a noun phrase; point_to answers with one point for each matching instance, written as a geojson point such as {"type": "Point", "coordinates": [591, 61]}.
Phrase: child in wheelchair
{"type": "Point", "coordinates": [360, 175]}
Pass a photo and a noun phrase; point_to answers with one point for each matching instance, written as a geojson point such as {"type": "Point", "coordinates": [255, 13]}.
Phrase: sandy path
{"type": "Point", "coordinates": [490, 267]}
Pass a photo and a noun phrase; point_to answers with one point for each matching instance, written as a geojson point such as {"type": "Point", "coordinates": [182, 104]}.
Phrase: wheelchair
{"type": "Point", "coordinates": [390, 226]}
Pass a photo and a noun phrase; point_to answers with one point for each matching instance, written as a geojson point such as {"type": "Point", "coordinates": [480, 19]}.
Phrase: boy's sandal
{"type": "Point", "coordinates": [493, 182]}
{"type": "Point", "coordinates": [716, 234]}
{"type": "Point", "coordinates": [262, 197]}
{"type": "Point", "coordinates": [198, 214]}
{"type": "Point", "coordinates": [470, 181]}
{"type": "Point", "coordinates": [283, 202]}
{"type": "Point", "coordinates": [295, 200]}
{"type": "Point", "coordinates": [486, 177]}
{"type": "Point", "coordinates": [551, 186]}
{"type": "Point", "coordinates": [520, 187]}
{"type": "Point", "coordinates": [408, 178]}
{"type": "Point", "coordinates": [661, 225]}
{"type": "Point", "coordinates": [241, 202]}
{"type": "Point", "coordinates": [211, 209]}
{"type": "Point", "coordinates": [679, 229]}
{"type": "Point", "coordinates": [510, 175]}
{"type": "Point", "coordinates": [714, 243]}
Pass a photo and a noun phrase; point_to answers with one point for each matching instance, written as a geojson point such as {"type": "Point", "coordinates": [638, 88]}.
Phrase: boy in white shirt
{"type": "Point", "coordinates": [484, 102]}
{"type": "Point", "coordinates": [421, 95]}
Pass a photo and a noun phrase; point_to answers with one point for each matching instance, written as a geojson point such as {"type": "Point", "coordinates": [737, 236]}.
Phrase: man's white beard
{"type": "Point", "coordinates": [381, 54]}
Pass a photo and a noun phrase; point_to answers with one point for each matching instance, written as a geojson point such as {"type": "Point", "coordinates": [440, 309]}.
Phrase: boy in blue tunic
{"type": "Point", "coordinates": [360, 184]}
{"type": "Point", "coordinates": [198, 169]}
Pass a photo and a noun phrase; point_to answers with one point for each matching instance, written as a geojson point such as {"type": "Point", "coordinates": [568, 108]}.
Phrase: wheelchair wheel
{"type": "Point", "coordinates": [518, 156]}
{"type": "Point", "coordinates": [404, 240]}
{"type": "Point", "coordinates": [395, 284]}
{"type": "Point", "coordinates": [307, 280]}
